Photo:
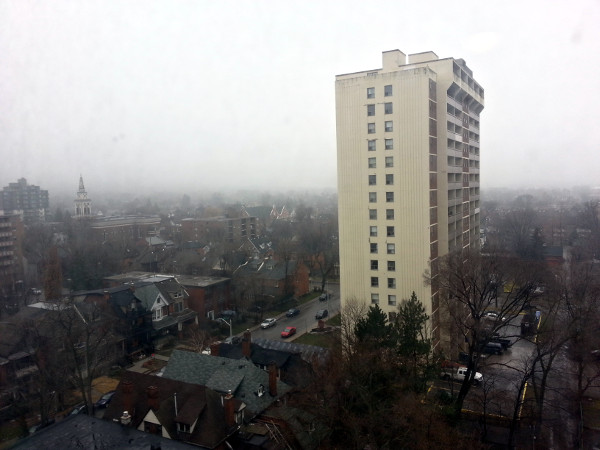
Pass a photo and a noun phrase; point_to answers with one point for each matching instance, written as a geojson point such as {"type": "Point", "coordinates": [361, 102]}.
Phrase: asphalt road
{"type": "Point", "coordinates": [305, 321]}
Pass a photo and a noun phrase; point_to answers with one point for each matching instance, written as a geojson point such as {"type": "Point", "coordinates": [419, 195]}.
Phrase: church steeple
{"type": "Point", "coordinates": [83, 205]}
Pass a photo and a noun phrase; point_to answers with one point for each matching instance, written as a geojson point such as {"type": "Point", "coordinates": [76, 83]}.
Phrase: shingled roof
{"type": "Point", "coordinates": [241, 377]}
{"type": "Point", "coordinates": [176, 402]}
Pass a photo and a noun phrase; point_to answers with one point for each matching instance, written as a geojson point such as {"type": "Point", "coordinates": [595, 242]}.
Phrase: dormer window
{"type": "Point", "coordinates": [183, 427]}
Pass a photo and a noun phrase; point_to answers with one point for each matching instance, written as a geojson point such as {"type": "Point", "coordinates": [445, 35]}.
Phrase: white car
{"type": "Point", "coordinates": [268, 323]}
{"type": "Point", "coordinates": [491, 315]}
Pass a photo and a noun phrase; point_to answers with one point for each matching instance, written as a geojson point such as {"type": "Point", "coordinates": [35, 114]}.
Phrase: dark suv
{"type": "Point", "coordinates": [321, 314]}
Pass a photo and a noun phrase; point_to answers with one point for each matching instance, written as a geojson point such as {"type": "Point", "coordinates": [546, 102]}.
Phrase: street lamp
{"type": "Point", "coordinates": [228, 323]}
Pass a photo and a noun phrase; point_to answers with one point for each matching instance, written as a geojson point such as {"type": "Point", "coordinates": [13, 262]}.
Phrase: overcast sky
{"type": "Point", "coordinates": [194, 95]}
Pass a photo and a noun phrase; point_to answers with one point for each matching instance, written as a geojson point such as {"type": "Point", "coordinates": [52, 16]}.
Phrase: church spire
{"type": "Point", "coordinates": [83, 205]}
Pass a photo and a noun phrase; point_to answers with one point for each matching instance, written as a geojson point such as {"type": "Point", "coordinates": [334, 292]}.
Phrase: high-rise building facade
{"type": "Point", "coordinates": [408, 175]}
{"type": "Point", "coordinates": [31, 202]}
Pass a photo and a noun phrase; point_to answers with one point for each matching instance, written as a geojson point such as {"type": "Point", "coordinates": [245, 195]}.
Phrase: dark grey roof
{"type": "Point", "coordinates": [308, 352]}
{"type": "Point", "coordinates": [258, 355]}
{"type": "Point", "coordinates": [82, 431]}
{"type": "Point", "coordinates": [242, 377]}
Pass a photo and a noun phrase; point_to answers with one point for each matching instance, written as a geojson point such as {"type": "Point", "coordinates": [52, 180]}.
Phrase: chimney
{"type": "Point", "coordinates": [127, 389]}
{"type": "Point", "coordinates": [247, 344]}
{"type": "Point", "coordinates": [152, 392]}
{"type": "Point", "coordinates": [273, 379]}
{"type": "Point", "coordinates": [214, 349]}
{"type": "Point", "coordinates": [125, 418]}
{"type": "Point", "coordinates": [229, 405]}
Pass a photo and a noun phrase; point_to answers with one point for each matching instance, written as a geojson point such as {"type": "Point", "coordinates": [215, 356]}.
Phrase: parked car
{"type": "Point", "coordinates": [79, 409]}
{"type": "Point", "coordinates": [289, 331]}
{"type": "Point", "coordinates": [455, 371]}
{"type": "Point", "coordinates": [323, 297]}
{"type": "Point", "coordinates": [268, 323]}
{"type": "Point", "coordinates": [292, 312]}
{"type": "Point", "coordinates": [321, 314]}
{"type": "Point", "coordinates": [105, 400]}
{"type": "Point", "coordinates": [492, 348]}
{"type": "Point", "coordinates": [233, 340]}
{"type": "Point", "coordinates": [36, 291]}
{"type": "Point", "coordinates": [493, 315]}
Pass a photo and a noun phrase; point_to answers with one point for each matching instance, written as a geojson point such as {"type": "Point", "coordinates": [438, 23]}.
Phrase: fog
{"type": "Point", "coordinates": [195, 96]}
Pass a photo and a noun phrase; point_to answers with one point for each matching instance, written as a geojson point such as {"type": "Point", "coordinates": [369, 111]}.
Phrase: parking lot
{"type": "Point", "coordinates": [502, 375]}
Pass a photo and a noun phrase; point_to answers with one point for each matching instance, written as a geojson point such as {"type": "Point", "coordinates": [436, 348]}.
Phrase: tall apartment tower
{"type": "Point", "coordinates": [27, 200]}
{"type": "Point", "coordinates": [408, 175]}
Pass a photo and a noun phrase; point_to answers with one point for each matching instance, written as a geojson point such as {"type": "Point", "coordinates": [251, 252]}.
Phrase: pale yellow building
{"type": "Point", "coordinates": [408, 175]}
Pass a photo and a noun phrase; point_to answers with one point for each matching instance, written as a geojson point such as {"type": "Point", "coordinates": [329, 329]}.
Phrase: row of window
{"type": "Point", "coordinates": [391, 282]}
{"type": "Point", "coordinates": [389, 197]}
{"type": "Point", "coordinates": [388, 108]}
{"type": "Point", "coordinates": [391, 267]}
{"type": "Point", "coordinates": [391, 299]}
{"type": "Point", "coordinates": [387, 91]}
{"type": "Point", "coordinates": [388, 126]}
{"type": "Point", "coordinates": [389, 179]}
{"type": "Point", "coordinates": [391, 248]}
{"type": "Point", "coordinates": [390, 231]}
{"type": "Point", "coordinates": [389, 214]}
{"type": "Point", "coordinates": [372, 144]}
{"type": "Point", "coordinates": [389, 162]}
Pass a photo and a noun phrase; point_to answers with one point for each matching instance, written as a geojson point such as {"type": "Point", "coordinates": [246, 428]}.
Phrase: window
{"type": "Point", "coordinates": [373, 214]}
{"type": "Point", "coordinates": [178, 307]}
{"type": "Point", "coordinates": [373, 231]}
{"type": "Point", "coordinates": [371, 92]}
{"type": "Point", "coordinates": [389, 179]}
{"type": "Point", "coordinates": [372, 145]}
{"type": "Point", "coordinates": [157, 314]}
{"type": "Point", "coordinates": [392, 266]}
{"type": "Point", "coordinates": [392, 300]}
{"type": "Point", "coordinates": [374, 264]}
{"type": "Point", "coordinates": [374, 298]}
{"type": "Point", "coordinates": [389, 197]}
{"type": "Point", "coordinates": [388, 108]}
{"type": "Point", "coordinates": [389, 161]}
{"type": "Point", "coordinates": [387, 90]}
{"type": "Point", "coordinates": [390, 232]}
{"type": "Point", "coordinates": [389, 214]}
{"type": "Point", "coordinates": [370, 128]}
{"type": "Point", "coordinates": [389, 125]}
{"type": "Point", "coordinates": [389, 144]}
{"type": "Point", "coordinates": [370, 110]}
{"type": "Point", "coordinates": [372, 197]}
{"type": "Point", "coordinates": [373, 247]}
{"type": "Point", "coordinates": [374, 282]}
{"type": "Point", "coordinates": [372, 163]}
{"type": "Point", "coordinates": [391, 249]}
{"type": "Point", "coordinates": [372, 180]}
{"type": "Point", "coordinates": [391, 283]}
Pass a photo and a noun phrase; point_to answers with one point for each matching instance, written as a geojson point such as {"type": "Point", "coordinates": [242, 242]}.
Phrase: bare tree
{"type": "Point", "coordinates": [475, 307]}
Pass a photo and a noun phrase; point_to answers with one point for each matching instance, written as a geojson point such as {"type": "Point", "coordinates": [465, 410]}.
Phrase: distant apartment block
{"type": "Point", "coordinates": [408, 175]}
{"type": "Point", "coordinates": [219, 229]}
{"type": "Point", "coordinates": [11, 271]}
{"type": "Point", "coordinates": [27, 200]}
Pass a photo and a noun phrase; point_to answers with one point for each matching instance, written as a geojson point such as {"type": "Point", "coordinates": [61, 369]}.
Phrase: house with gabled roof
{"type": "Point", "coordinates": [167, 299]}
{"type": "Point", "coordinates": [257, 388]}
{"type": "Point", "coordinates": [176, 410]}
{"type": "Point", "coordinates": [276, 278]}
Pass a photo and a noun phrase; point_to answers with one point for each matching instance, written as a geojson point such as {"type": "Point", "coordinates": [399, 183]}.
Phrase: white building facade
{"type": "Point", "coordinates": [408, 175]}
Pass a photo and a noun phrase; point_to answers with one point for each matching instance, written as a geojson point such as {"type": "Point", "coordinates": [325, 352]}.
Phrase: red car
{"type": "Point", "coordinates": [289, 331]}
